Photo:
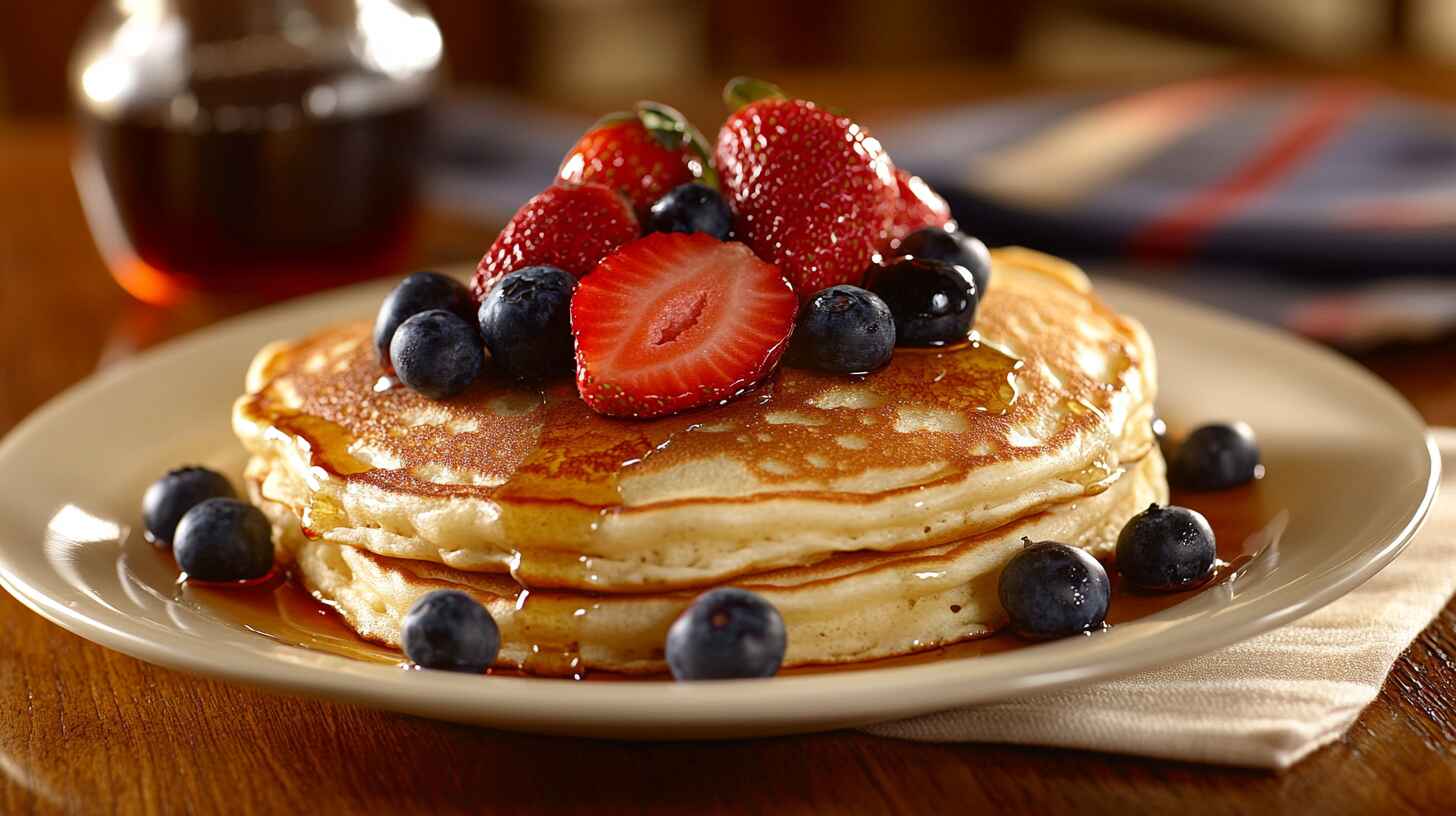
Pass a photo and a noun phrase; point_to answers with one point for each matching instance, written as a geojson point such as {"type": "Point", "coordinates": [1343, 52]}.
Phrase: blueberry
{"type": "Point", "coordinates": [1051, 590]}
{"type": "Point", "coordinates": [933, 302]}
{"type": "Point", "coordinates": [436, 353]}
{"type": "Point", "coordinates": [448, 629]}
{"type": "Point", "coordinates": [417, 293]}
{"type": "Point", "coordinates": [727, 633]}
{"type": "Point", "coordinates": [691, 207]}
{"type": "Point", "coordinates": [1166, 549]}
{"type": "Point", "coordinates": [224, 540]}
{"type": "Point", "coordinates": [526, 322]}
{"type": "Point", "coordinates": [844, 329]}
{"type": "Point", "coordinates": [954, 247]}
{"type": "Point", "coordinates": [1215, 457]}
{"type": "Point", "coordinates": [170, 497]}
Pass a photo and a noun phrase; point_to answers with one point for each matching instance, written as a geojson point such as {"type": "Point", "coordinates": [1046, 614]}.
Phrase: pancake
{"type": "Point", "coordinates": [847, 608]}
{"type": "Point", "coordinates": [1046, 405]}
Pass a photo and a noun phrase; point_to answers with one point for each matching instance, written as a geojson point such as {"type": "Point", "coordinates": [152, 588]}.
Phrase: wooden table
{"type": "Point", "coordinates": [84, 729]}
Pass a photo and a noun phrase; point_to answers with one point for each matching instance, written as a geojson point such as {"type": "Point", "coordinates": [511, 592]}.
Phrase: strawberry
{"type": "Point", "coordinates": [641, 154]}
{"type": "Point", "coordinates": [674, 321]}
{"type": "Point", "coordinates": [811, 192]}
{"type": "Point", "coordinates": [571, 227]}
{"type": "Point", "coordinates": [918, 206]}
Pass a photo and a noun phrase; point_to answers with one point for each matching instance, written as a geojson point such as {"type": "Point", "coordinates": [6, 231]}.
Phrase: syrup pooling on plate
{"type": "Point", "coordinates": [285, 612]}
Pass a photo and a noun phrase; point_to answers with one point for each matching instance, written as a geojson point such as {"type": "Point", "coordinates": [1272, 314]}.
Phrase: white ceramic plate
{"type": "Point", "coordinates": [1350, 461]}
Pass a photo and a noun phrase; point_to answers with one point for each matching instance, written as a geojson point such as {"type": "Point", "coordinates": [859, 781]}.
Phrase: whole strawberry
{"type": "Point", "coordinates": [570, 227]}
{"type": "Point", "coordinates": [812, 192]}
{"type": "Point", "coordinates": [919, 206]}
{"type": "Point", "coordinates": [641, 154]}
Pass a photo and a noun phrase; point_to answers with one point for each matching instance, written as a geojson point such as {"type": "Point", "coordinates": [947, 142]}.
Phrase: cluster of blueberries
{"type": "Point", "coordinates": [431, 335]}
{"type": "Point", "coordinates": [925, 296]}
{"type": "Point", "coordinates": [1052, 590]}
{"type": "Point", "coordinates": [213, 535]}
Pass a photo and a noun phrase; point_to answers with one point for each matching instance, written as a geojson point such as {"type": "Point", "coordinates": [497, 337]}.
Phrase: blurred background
{"type": "Point", "coordinates": [594, 54]}
{"type": "Point", "coordinates": [1293, 160]}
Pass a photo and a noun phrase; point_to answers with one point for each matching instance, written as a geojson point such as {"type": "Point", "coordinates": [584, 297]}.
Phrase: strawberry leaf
{"type": "Point", "coordinates": [613, 118]}
{"type": "Point", "coordinates": [673, 131]}
{"type": "Point", "coordinates": [742, 90]}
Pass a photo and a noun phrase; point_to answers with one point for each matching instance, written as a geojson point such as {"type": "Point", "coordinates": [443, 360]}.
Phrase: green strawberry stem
{"type": "Point", "coordinates": [672, 130]}
{"type": "Point", "coordinates": [742, 90]}
{"type": "Point", "coordinates": [613, 118]}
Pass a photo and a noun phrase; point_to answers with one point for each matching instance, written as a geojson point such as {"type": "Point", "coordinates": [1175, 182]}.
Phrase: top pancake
{"type": "Point", "coordinates": [1045, 404]}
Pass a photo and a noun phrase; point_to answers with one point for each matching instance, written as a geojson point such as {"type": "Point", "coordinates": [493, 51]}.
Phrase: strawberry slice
{"type": "Point", "coordinates": [675, 321]}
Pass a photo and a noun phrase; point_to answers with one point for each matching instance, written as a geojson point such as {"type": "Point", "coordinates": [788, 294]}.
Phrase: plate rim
{"type": "Point", "coordinates": [823, 700]}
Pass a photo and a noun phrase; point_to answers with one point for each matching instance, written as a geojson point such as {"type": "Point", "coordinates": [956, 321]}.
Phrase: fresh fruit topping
{"type": "Point", "coordinates": [727, 633]}
{"type": "Point", "coordinates": [691, 208]}
{"type": "Point", "coordinates": [844, 329]}
{"type": "Point", "coordinates": [675, 321]}
{"type": "Point", "coordinates": [224, 540]}
{"type": "Point", "coordinates": [933, 302]}
{"type": "Point", "coordinates": [1166, 549]}
{"type": "Point", "coordinates": [1215, 457]}
{"type": "Point", "coordinates": [526, 322]}
{"type": "Point", "coordinates": [170, 497]}
{"type": "Point", "coordinates": [812, 192]}
{"type": "Point", "coordinates": [448, 629]}
{"type": "Point", "coordinates": [436, 353]}
{"type": "Point", "coordinates": [641, 154]}
{"type": "Point", "coordinates": [918, 207]}
{"type": "Point", "coordinates": [953, 247]}
{"type": "Point", "coordinates": [417, 293]}
{"type": "Point", "coordinates": [569, 227]}
{"type": "Point", "coordinates": [1051, 590]}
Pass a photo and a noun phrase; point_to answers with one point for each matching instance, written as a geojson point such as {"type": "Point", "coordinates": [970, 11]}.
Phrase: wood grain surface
{"type": "Point", "coordinates": [86, 730]}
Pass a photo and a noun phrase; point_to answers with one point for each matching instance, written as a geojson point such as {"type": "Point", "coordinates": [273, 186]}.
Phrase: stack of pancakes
{"type": "Point", "coordinates": [874, 512]}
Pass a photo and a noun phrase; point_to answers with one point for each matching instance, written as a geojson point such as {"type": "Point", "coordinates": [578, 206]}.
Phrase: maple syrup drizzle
{"type": "Point", "coordinates": [283, 611]}
{"type": "Point", "coordinates": [566, 481]}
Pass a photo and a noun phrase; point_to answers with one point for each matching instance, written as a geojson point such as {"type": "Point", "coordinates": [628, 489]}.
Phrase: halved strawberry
{"type": "Point", "coordinates": [641, 154]}
{"type": "Point", "coordinates": [919, 206]}
{"type": "Point", "coordinates": [569, 226]}
{"type": "Point", "coordinates": [675, 321]}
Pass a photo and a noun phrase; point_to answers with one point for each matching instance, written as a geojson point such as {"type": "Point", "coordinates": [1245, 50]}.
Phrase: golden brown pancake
{"type": "Point", "coordinates": [849, 607]}
{"type": "Point", "coordinates": [1046, 404]}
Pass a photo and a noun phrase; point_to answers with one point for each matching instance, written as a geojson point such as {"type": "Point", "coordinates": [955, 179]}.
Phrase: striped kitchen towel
{"type": "Point", "coordinates": [1331, 177]}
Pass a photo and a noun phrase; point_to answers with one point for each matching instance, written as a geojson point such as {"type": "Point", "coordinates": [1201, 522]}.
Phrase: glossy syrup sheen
{"type": "Point", "coordinates": [283, 611]}
{"type": "Point", "coordinates": [555, 468]}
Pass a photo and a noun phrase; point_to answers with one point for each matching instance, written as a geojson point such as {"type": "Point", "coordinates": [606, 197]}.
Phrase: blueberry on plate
{"type": "Point", "coordinates": [844, 329]}
{"type": "Point", "coordinates": [1052, 590]}
{"type": "Point", "coordinates": [436, 353]}
{"type": "Point", "coordinates": [691, 207]}
{"type": "Point", "coordinates": [448, 629]}
{"type": "Point", "coordinates": [951, 246]}
{"type": "Point", "coordinates": [170, 497]}
{"type": "Point", "coordinates": [933, 302]}
{"type": "Point", "coordinates": [1166, 549]}
{"type": "Point", "coordinates": [417, 293]}
{"type": "Point", "coordinates": [1215, 457]}
{"type": "Point", "coordinates": [224, 540]}
{"type": "Point", "coordinates": [525, 322]}
{"type": "Point", "coordinates": [727, 633]}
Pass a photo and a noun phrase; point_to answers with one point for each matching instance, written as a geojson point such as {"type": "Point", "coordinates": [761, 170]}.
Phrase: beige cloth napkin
{"type": "Point", "coordinates": [1267, 702]}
